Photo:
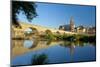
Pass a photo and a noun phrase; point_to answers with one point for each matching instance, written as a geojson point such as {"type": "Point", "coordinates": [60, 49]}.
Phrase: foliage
{"type": "Point", "coordinates": [39, 59]}
{"type": "Point", "coordinates": [28, 8]}
{"type": "Point", "coordinates": [49, 36]}
{"type": "Point", "coordinates": [88, 38]}
{"type": "Point", "coordinates": [83, 38]}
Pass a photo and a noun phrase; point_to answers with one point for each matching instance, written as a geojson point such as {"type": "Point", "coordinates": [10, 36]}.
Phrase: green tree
{"type": "Point", "coordinates": [28, 8]}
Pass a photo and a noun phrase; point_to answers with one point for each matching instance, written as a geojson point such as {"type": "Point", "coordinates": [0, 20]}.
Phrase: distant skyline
{"type": "Point", "coordinates": [53, 15]}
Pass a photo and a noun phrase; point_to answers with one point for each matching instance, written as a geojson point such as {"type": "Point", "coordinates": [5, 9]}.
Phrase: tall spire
{"type": "Point", "coordinates": [71, 20]}
{"type": "Point", "coordinates": [71, 24]}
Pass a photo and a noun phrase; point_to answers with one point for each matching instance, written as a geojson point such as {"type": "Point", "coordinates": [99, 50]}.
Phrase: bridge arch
{"type": "Point", "coordinates": [48, 31]}
{"type": "Point", "coordinates": [31, 31]}
{"type": "Point", "coordinates": [57, 32]}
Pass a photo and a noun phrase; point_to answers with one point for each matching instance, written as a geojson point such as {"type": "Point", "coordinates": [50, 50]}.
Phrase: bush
{"type": "Point", "coordinates": [49, 36]}
{"type": "Point", "coordinates": [84, 38]}
{"type": "Point", "coordinates": [88, 38]}
{"type": "Point", "coordinates": [39, 59]}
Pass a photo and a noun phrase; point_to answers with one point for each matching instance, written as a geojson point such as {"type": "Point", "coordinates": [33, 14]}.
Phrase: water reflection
{"type": "Point", "coordinates": [57, 51]}
{"type": "Point", "coordinates": [48, 42]}
{"type": "Point", "coordinates": [30, 43]}
{"type": "Point", "coordinates": [78, 46]}
{"type": "Point", "coordinates": [75, 43]}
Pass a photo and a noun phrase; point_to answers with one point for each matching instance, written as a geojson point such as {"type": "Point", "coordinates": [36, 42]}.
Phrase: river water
{"type": "Point", "coordinates": [56, 51]}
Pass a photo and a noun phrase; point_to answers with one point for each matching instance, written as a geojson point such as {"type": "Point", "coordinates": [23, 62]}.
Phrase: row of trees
{"type": "Point", "coordinates": [66, 37]}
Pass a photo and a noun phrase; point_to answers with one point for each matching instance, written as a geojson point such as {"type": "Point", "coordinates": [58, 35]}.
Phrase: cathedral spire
{"type": "Point", "coordinates": [71, 20]}
{"type": "Point", "coordinates": [71, 24]}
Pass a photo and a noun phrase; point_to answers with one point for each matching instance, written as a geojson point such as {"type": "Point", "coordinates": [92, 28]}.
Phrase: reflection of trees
{"type": "Point", "coordinates": [79, 43]}
{"type": "Point", "coordinates": [17, 43]}
{"type": "Point", "coordinates": [66, 44]}
{"type": "Point", "coordinates": [48, 42]}
{"type": "Point", "coordinates": [71, 46]}
{"type": "Point", "coordinates": [39, 59]}
{"type": "Point", "coordinates": [72, 43]}
{"type": "Point", "coordinates": [93, 44]}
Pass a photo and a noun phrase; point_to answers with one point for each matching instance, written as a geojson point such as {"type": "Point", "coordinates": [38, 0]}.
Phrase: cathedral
{"type": "Point", "coordinates": [68, 27]}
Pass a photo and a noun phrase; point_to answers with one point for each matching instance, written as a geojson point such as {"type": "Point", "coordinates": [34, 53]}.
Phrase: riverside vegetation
{"type": "Point", "coordinates": [65, 37]}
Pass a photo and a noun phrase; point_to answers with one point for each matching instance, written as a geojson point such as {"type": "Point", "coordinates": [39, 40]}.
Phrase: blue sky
{"type": "Point", "coordinates": [53, 15]}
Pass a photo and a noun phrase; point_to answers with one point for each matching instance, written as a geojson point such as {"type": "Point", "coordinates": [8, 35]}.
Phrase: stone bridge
{"type": "Point", "coordinates": [36, 29]}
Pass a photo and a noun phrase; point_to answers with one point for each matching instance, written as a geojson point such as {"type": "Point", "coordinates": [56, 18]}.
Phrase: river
{"type": "Point", "coordinates": [22, 51]}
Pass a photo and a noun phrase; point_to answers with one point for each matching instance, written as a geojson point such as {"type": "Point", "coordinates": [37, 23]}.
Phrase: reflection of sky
{"type": "Point", "coordinates": [59, 54]}
{"type": "Point", "coordinates": [28, 43]}
{"type": "Point", "coordinates": [53, 15]}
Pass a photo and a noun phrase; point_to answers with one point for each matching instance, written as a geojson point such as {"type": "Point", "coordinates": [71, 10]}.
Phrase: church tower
{"type": "Point", "coordinates": [72, 26]}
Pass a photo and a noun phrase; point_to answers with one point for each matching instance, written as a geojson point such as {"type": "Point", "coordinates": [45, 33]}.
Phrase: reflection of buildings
{"type": "Point", "coordinates": [72, 50]}
{"type": "Point", "coordinates": [68, 27]}
{"type": "Point", "coordinates": [72, 47]}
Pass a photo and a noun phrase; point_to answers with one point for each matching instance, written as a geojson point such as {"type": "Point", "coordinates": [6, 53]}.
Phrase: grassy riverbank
{"type": "Point", "coordinates": [74, 37]}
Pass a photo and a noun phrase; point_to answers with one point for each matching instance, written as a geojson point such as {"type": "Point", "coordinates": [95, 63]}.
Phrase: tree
{"type": "Point", "coordinates": [28, 8]}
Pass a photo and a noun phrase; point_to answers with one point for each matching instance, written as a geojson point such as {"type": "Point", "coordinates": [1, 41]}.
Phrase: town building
{"type": "Point", "coordinates": [65, 27]}
{"type": "Point", "coordinates": [80, 29]}
{"type": "Point", "coordinates": [91, 30]}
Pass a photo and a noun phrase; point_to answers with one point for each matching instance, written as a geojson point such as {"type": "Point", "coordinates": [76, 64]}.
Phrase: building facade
{"type": "Point", "coordinates": [80, 29]}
